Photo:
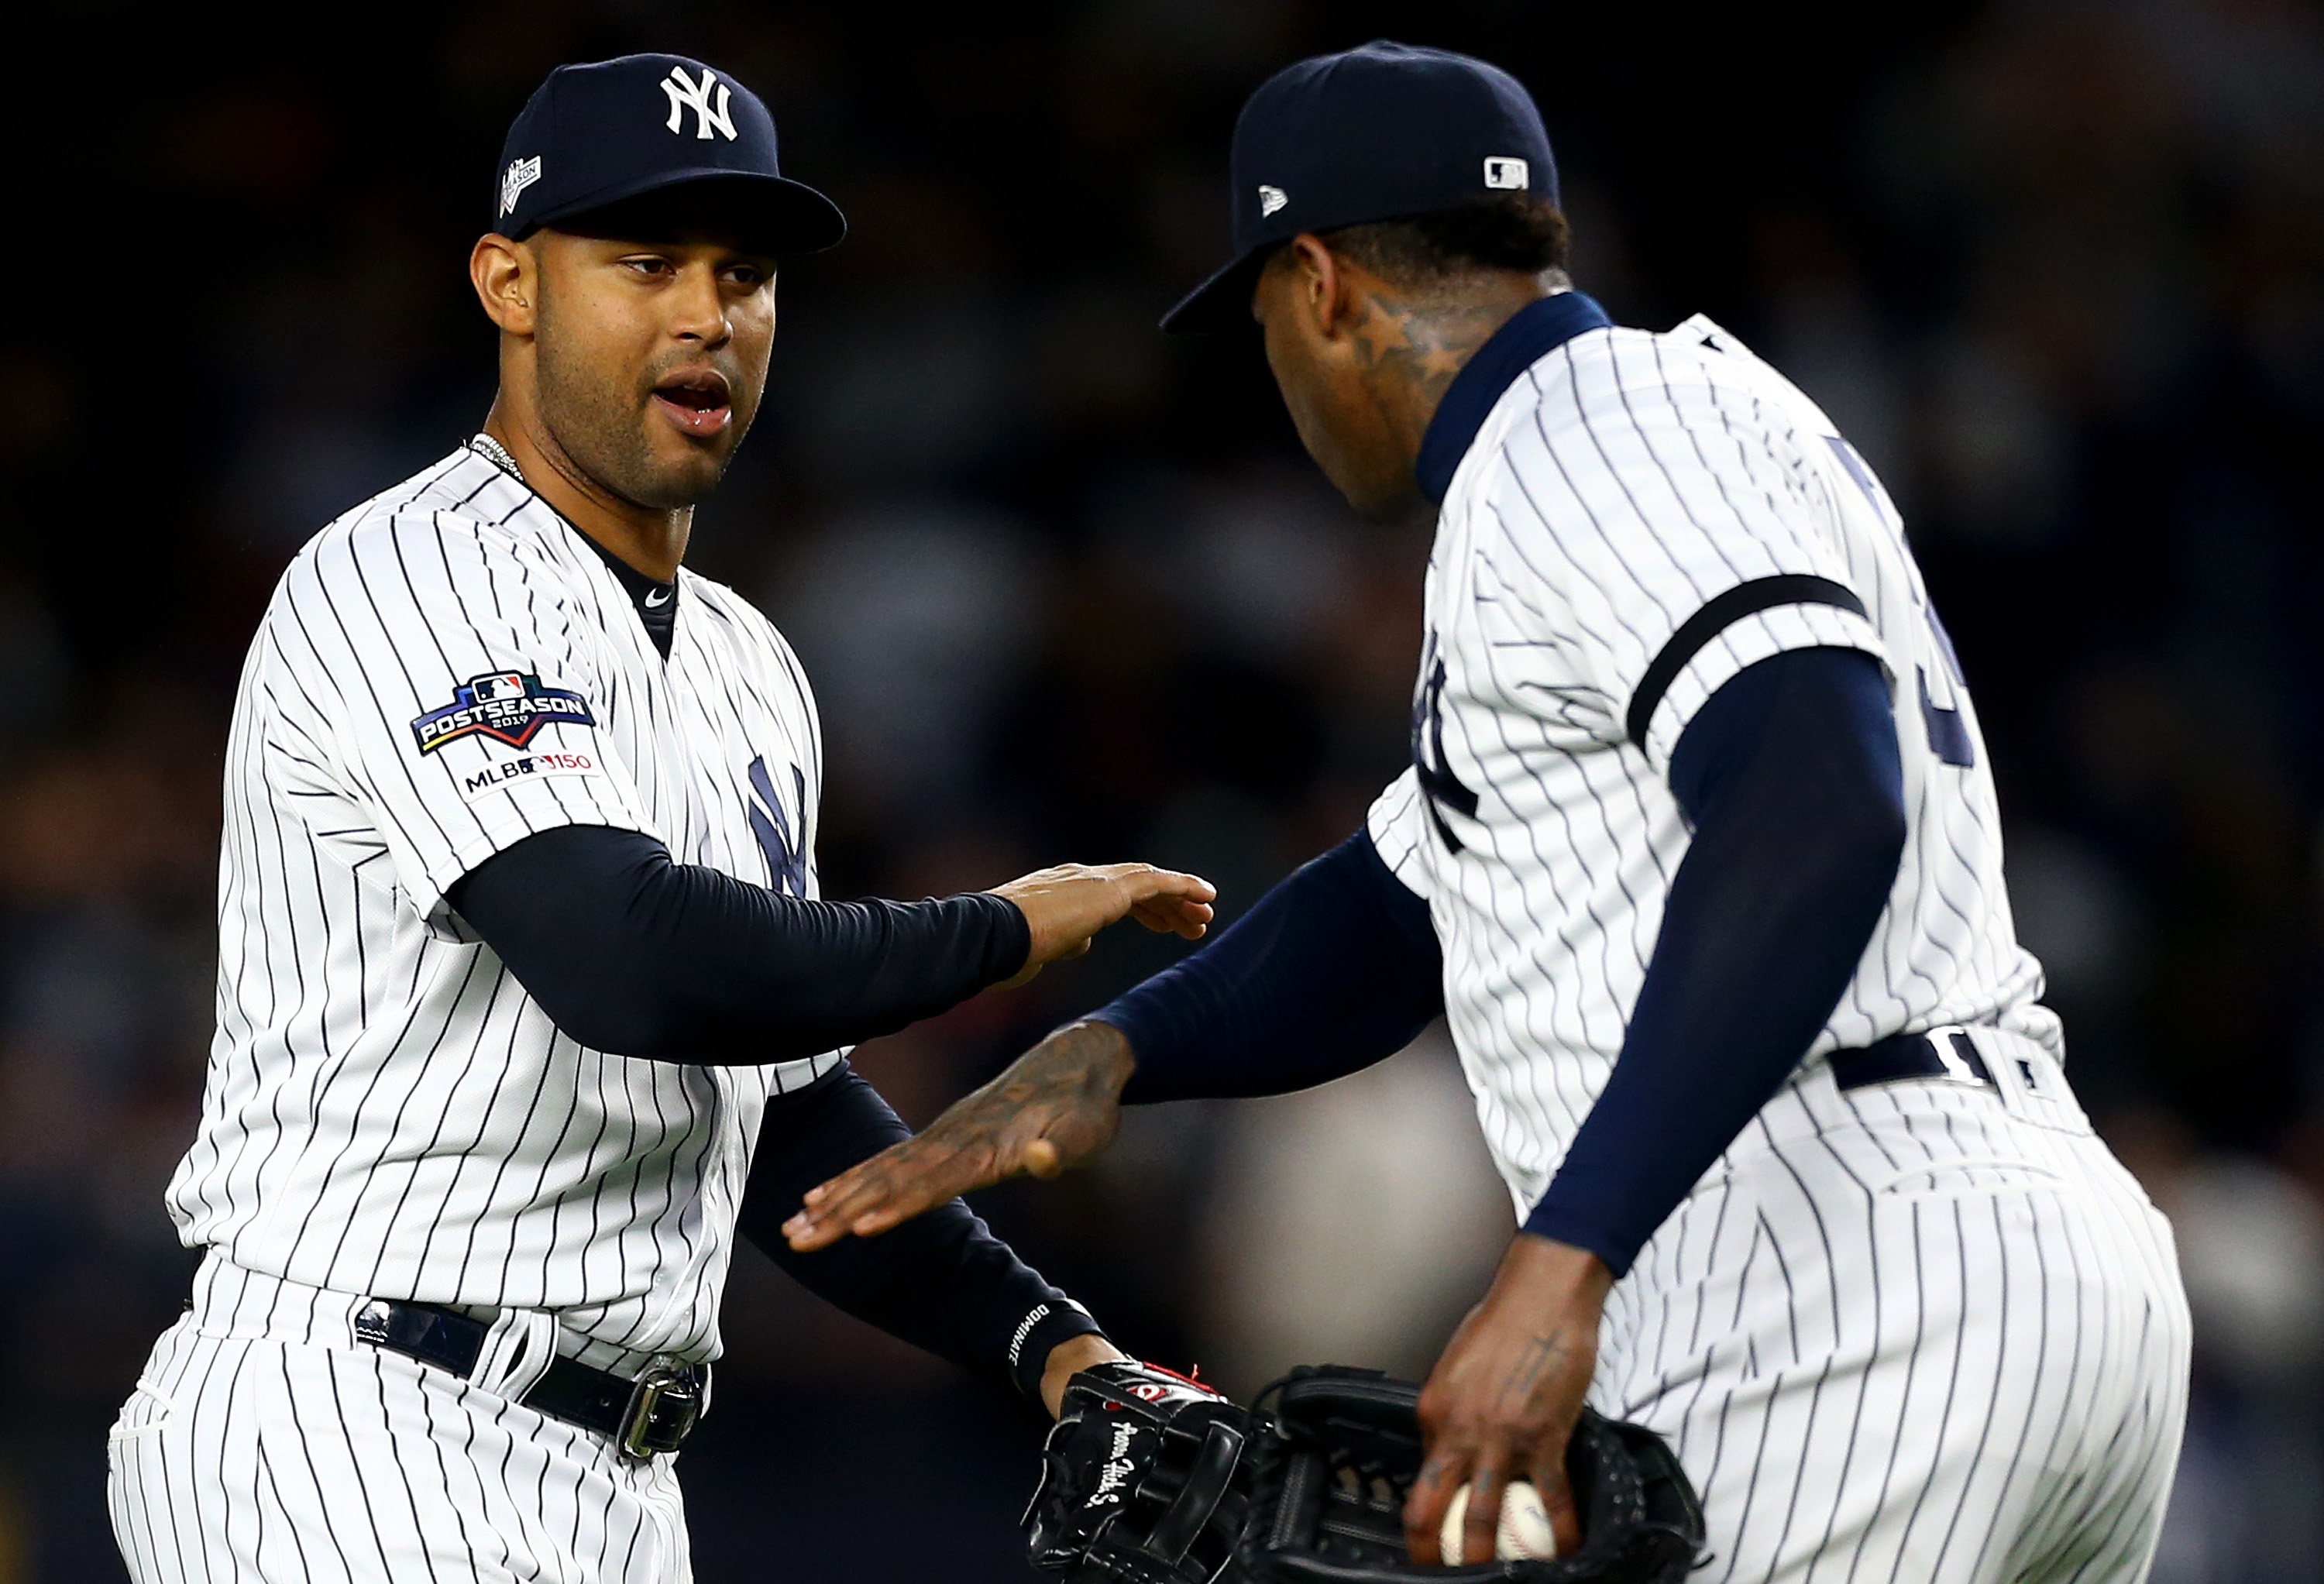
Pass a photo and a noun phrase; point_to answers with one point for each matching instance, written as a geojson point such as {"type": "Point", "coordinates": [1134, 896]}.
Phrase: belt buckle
{"type": "Point", "coordinates": [664, 1406]}
{"type": "Point", "coordinates": [1958, 1053]}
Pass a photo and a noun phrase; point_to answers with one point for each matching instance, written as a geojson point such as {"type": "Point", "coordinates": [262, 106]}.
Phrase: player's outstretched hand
{"type": "Point", "coordinates": [1068, 905]}
{"type": "Point", "coordinates": [1501, 1402]}
{"type": "Point", "coordinates": [1058, 1105]}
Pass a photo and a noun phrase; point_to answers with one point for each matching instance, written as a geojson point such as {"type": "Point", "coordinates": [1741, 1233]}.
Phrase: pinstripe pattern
{"type": "Point", "coordinates": [389, 1114]}
{"type": "Point", "coordinates": [387, 1111]}
{"type": "Point", "coordinates": [262, 1444]}
{"type": "Point", "coordinates": [1920, 1332]}
{"type": "Point", "coordinates": [1621, 484]}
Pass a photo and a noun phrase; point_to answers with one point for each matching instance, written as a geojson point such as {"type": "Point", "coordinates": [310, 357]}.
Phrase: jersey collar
{"type": "Point", "coordinates": [657, 602]}
{"type": "Point", "coordinates": [1515, 347]}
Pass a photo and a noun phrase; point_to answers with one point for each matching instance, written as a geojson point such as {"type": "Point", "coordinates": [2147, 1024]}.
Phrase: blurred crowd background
{"type": "Point", "coordinates": [1069, 590]}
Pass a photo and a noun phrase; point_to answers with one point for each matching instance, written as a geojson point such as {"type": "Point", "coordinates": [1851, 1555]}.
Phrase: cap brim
{"type": "Point", "coordinates": [770, 212]}
{"type": "Point", "coordinates": [1222, 302]}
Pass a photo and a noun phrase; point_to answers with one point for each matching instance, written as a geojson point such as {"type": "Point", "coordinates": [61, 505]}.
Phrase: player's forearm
{"type": "Point", "coordinates": [1800, 824]}
{"type": "Point", "coordinates": [1333, 970]}
{"type": "Point", "coordinates": [630, 952]}
{"type": "Point", "coordinates": [941, 1282]}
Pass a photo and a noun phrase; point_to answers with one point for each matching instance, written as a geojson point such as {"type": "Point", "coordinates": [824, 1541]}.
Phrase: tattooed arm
{"type": "Point", "coordinates": [1058, 1105]}
{"type": "Point", "coordinates": [1334, 969]}
{"type": "Point", "coordinates": [1502, 1401]}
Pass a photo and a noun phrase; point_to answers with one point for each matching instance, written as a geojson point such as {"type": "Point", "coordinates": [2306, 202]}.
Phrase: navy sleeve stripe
{"type": "Point", "coordinates": [1721, 612]}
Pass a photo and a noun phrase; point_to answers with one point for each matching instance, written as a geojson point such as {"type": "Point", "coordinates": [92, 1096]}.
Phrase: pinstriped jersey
{"type": "Point", "coordinates": [442, 672]}
{"type": "Point", "coordinates": [1640, 518]}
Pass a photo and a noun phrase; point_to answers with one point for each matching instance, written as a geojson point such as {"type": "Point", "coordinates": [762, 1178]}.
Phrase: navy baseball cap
{"type": "Point", "coordinates": [1378, 133]}
{"type": "Point", "coordinates": [593, 136]}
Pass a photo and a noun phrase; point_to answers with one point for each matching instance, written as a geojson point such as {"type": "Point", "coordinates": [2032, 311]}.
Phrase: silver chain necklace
{"type": "Point", "coordinates": [494, 452]}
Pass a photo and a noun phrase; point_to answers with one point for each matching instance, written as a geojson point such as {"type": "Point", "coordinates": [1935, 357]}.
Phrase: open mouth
{"type": "Point", "coordinates": [697, 401]}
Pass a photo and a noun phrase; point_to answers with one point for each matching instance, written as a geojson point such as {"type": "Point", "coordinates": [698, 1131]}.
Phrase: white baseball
{"type": "Point", "coordinates": [1523, 1530]}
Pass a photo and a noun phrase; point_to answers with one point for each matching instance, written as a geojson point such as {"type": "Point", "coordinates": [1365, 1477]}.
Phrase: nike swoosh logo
{"type": "Point", "coordinates": [660, 598]}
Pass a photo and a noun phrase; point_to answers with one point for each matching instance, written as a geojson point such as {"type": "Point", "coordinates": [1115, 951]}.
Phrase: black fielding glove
{"type": "Point", "coordinates": [1333, 1453]}
{"type": "Point", "coordinates": [1138, 1480]}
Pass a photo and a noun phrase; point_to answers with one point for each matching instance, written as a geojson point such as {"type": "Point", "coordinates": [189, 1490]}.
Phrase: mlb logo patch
{"type": "Point", "coordinates": [1508, 173]}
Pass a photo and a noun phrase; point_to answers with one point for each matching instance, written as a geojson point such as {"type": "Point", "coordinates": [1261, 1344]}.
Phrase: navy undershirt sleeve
{"type": "Point", "coordinates": [1790, 775]}
{"type": "Point", "coordinates": [630, 952]}
{"type": "Point", "coordinates": [940, 1281]}
{"type": "Point", "coordinates": [1333, 970]}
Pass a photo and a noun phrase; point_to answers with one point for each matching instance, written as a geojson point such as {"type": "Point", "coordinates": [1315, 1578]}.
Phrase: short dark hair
{"type": "Point", "coordinates": [1507, 231]}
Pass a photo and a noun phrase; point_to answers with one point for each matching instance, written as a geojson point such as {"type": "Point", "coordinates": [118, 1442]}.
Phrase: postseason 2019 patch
{"type": "Point", "coordinates": [507, 706]}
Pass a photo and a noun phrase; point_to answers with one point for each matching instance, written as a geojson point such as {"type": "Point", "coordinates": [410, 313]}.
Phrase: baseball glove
{"type": "Point", "coordinates": [1337, 1451]}
{"type": "Point", "coordinates": [1138, 1480]}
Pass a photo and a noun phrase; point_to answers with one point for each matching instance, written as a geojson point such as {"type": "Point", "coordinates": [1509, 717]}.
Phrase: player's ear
{"type": "Point", "coordinates": [507, 278]}
{"type": "Point", "coordinates": [1320, 284]}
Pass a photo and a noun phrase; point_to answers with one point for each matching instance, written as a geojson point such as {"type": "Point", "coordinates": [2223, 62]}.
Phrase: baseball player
{"type": "Point", "coordinates": [527, 1004]}
{"type": "Point", "coordinates": [1699, 855]}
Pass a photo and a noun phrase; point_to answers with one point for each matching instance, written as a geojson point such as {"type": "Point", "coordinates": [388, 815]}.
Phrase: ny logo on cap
{"type": "Point", "coordinates": [686, 93]}
{"type": "Point", "coordinates": [519, 175]}
{"type": "Point", "coordinates": [1271, 198]}
{"type": "Point", "coordinates": [1503, 171]}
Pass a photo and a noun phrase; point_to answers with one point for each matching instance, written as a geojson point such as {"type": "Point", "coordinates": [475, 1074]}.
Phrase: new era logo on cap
{"type": "Point", "coordinates": [1270, 199]}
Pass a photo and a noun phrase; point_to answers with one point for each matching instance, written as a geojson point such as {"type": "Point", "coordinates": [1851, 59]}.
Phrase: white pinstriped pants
{"type": "Point", "coordinates": [264, 1445]}
{"type": "Point", "coordinates": [1919, 1331]}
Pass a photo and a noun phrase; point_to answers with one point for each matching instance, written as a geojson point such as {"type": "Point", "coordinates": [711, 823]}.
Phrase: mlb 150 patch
{"type": "Point", "coordinates": [500, 773]}
{"type": "Point", "coordinates": [507, 706]}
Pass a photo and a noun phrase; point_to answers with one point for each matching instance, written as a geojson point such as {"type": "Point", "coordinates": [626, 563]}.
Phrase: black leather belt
{"type": "Point", "coordinates": [1901, 1056]}
{"type": "Point", "coordinates": [652, 1414]}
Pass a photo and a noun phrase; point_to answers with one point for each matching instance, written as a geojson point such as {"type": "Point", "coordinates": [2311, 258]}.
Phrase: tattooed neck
{"type": "Point", "coordinates": [1410, 349]}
